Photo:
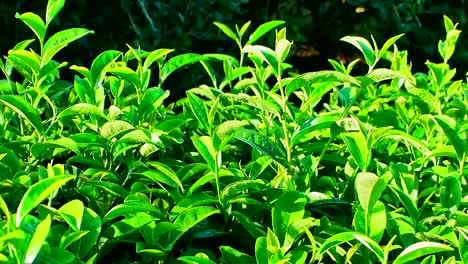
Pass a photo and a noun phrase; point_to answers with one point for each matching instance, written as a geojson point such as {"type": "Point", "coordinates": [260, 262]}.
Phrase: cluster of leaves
{"type": "Point", "coordinates": [244, 169]}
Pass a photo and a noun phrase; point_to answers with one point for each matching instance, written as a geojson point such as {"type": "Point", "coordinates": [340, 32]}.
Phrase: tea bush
{"type": "Point", "coordinates": [244, 169]}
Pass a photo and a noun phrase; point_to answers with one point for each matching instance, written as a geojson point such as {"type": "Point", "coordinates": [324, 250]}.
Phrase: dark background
{"type": "Point", "coordinates": [315, 26]}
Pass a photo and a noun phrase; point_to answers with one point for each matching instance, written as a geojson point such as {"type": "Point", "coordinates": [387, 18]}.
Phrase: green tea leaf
{"type": "Point", "coordinates": [224, 132]}
{"type": "Point", "coordinates": [288, 209]}
{"type": "Point", "coordinates": [273, 243]}
{"type": "Point", "coordinates": [233, 256]}
{"type": "Point", "coordinates": [10, 159]}
{"type": "Point", "coordinates": [378, 221]}
{"type": "Point", "coordinates": [39, 148]}
{"type": "Point", "coordinates": [72, 213]}
{"type": "Point", "coordinates": [262, 30]}
{"type": "Point", "coordinates": [25, 62]}
{"type": "Point", "coordinates": [199, 110]}
{"type": "Point", "coordinates": [388, 44]}
{"type": "Point", "coordinates": [266, 54]}
{"type": "Point", "coordinates": [420, 249]}
{"type": "Point", "coordinates": [409, 205]}
{"type": "Point", "coordinates": [157, 55]}
{"type": "Point", "coordinates": [66, 36]}
{"type": "Point", "coordinates": [451, 130]}
{"type": "Point", "coordinates": [61, 39]}
{"type": "Point", "coordinates": [100, 65]}
{"type": "Point", "coordinates": [38, 239]}
{"type": "Point", "coordinates": [170, 177]}
{"type": "Point", "coordinates": [91, 223]}
{"type": "Point", "coordinates": [237, 187]}
{"type": "Point", "coordinates": [263, 105]}
{"type": "Point", "coordinates": [295, 230]}
{"type": "Point", "coordinates": [249, 225]}
{"type": "Point", "coordinates": [369, 187]}
{"type": "Point", "coordinates": [333, 241]}
{"type": "Point", "coordinates": [129, 209]}
{"type": "Point", "coordinates": [23, 109]}
{"type": "Point", "coordinates": [382, 74]}
{"type": "Point", "coordinates": [282, 49]}
{"type": "Point", "coordinates": [37, 193]}
{"type": "Point", "coordinates": [399, 135]}
{"type": "Point", "coordinates": [261, 250]}
{"type": "Point", "coordinates": [204, 145]}
{"type": "Point", "coordinates": [191, 201]}
{"type": "Point", "coordinates": [195, 260]}
{"type": "Point", "coordinates": [126, 74]}
{"type": "Point", "coordinates": [193, 216]}
{"type": "Point", "coordinates": [82, 108]}
{"type": "Point", "coordinates": [371, 245]}
{"type": "Point", "coordinates": [328, 76]}
{"type": "Point", "coordinates": [114, 128]}
{"type": "Point", "coordinates": [112, 188]}
{"type": "Point", "coordinates": [316, 123]}
{"type": "Point", "coordinates": [463, 244]}
{"type": "Point", "coordinates": [227, 31]}
{"type": "Point", "coordinates": [450, 195]}
{"type": "Point", "coordinates": [178, 62]}
{"type": "Point", "coordinates": [357, 146]}
{"type": "Point", "coordinates": [362, 45]}
{"type": "Point", "coordinates": [53, 8]}
{"type": "Point", "coordinates": [260, 142]}
{"type": "Point", "coordinates": [35, 23]}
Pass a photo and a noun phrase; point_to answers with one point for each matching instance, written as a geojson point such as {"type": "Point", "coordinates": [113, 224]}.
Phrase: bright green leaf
{"type": "Point", "coordinates": [38, 239]}
{"type": "Point", "coordinates": [262, 30]}
{"type": "Point", "coordinates": [420, 249]}
{"type": "Point", "coordinates": [23, 109]}
{"type": "Point", "coordinates": [37, 193]}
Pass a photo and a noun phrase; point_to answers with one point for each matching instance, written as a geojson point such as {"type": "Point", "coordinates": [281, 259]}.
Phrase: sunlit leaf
{"type": "Point", "coordinates": [362, 45]}
{"type": "Point", "coordinates": [35, 23]}
{"type": "Point", "coordinates": [233, 256]}
{"type": "Point", "coordinates": [420, 249]}
{"type": "Point", "coordinates": [262, 30]}
{"type": "Point", "coordinates": [38, 239]}
{"type": "Point", "coordinates": [450, 195]}
{"type": "Point", "coordinates": [227, 31]}
{"type": "Point", "coordinates": [38, 193]}
{"type": "Point", "coordinates": [288, 209]}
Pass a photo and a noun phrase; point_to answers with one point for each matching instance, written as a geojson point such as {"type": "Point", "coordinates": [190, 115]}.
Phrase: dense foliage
{"type": "Point", "coordinates": [250, 167]}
